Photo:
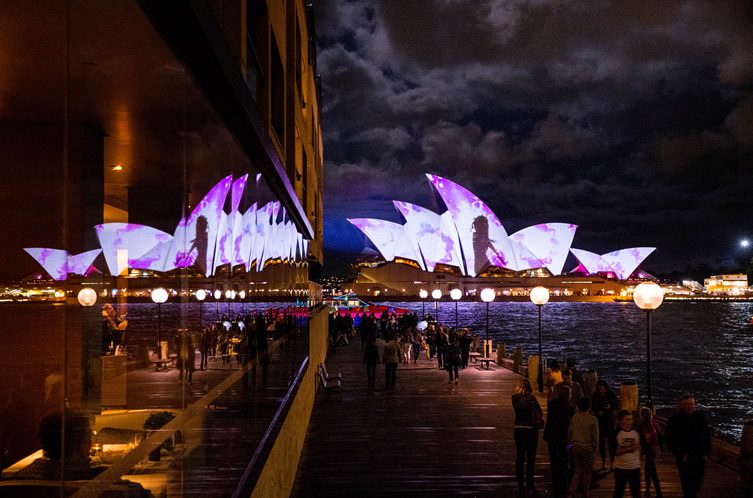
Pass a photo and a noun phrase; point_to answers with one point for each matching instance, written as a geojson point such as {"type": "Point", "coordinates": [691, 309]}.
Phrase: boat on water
{"type": "Point", "coordinates": [353, 305]}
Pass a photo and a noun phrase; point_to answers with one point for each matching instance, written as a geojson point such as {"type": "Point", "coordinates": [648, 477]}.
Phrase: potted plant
{"type": "Point", "coordinates": [154, 422]}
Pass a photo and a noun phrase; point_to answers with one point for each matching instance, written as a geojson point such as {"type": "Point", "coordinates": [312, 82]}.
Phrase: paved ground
{"type": "Point", "coordinates": [428, 438]}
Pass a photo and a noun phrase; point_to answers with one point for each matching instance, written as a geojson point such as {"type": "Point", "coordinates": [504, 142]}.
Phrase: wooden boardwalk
{"type": "Point", "coordinates": [428, 438]}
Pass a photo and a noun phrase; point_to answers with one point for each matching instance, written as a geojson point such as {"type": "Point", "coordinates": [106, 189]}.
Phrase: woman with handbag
{"type": "Point", "coordinates": [529, 419]}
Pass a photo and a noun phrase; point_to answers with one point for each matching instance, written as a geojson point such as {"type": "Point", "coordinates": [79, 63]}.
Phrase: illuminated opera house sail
{"type": "Point", "coordinates": [470, 238]}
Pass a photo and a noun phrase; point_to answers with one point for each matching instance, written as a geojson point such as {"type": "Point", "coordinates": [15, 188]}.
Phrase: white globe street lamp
{"type": "Point", "coordinates": [217, 294]}
{"type": "Point", "coordinates": [201, 294]}
{"type": "Point", "coordinates": [487, 296]}
{"type": "Point", "coordinates": [423, 294]}
{"type": "Point", "coordinates": [648, 296]}
{"type": "Point", "coordinates": [159, 296]}
{"type": "Point", "coordinates": [456, 294]}
{"type": "Point", "coordinates": [539, 297]}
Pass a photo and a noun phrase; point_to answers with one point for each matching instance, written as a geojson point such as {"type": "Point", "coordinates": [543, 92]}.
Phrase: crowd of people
{"type": "Point", "coordinates": [583, 421]}
{"type": "Point", "coordinates": [391, 339]}
{"type": "Point", "coordinates": [578, 428]}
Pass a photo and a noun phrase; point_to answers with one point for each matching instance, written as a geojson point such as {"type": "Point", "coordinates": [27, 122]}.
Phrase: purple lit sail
{"type": "Point", "coordinates": [422, 226]}
{"type": "Point", "coordinates": [592, 262]}
{"type": "Point", "coordinates": [389, 238]}
{"type": "Point", "coordinates": [548, 242]}
{"type": "Point", "coordinates": [482, 237]}
{"type": "Point", "coordinates": [58, 263]}
{"type": "Point", "coordinates": [137, 240]}
{"type": "Point", "coordinates": [54, 261]}
{"type": "Point", "coordinates": [79, 264]}
{"type": "Point", "coordinates": [625, 261]}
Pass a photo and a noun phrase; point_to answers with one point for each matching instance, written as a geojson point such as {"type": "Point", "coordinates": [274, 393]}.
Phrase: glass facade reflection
{"type": "Point", "coordinates": [162, 175]}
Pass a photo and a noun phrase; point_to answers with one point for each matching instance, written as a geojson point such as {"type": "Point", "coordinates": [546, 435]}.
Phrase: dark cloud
{"type": "Point", "coordinates": [633, 120]}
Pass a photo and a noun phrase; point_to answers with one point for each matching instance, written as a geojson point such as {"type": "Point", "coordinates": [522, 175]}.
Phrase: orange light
{"type": "Point", "coordinates": [117, 167]}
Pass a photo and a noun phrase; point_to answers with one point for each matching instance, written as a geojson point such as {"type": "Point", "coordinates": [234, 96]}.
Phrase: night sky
{"type": "Point", "coordinates": [633, 120]}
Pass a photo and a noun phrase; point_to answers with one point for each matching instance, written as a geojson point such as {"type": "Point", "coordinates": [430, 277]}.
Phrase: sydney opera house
{"type": "Point", "coordinates": [467, 247]}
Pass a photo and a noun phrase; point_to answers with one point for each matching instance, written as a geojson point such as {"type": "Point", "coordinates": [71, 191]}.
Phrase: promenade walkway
{"type": "Point", "coordinates": [428, 438]}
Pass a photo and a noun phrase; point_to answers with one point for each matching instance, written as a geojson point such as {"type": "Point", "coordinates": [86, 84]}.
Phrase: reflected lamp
{"type": "Point", "coordinates": [87, 297]}
{"type": "Point", "coordinates": [159, 295]}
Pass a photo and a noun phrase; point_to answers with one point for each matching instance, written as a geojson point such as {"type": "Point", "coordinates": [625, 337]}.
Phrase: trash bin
{"type": "Point", "coordinates": [629, 396]}
{"type": "Point", "coordinates": [533, 369]}
{"type": "Point", "coordinates": [517, 357]}
{"type": "Point", "coordinates": [500, 354]}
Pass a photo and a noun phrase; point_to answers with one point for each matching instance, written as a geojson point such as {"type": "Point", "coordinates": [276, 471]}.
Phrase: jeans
{"type": "Point", "coordinates": [453, 369]}
{"type": "Point", "coordinates": [583, 462]}
{"type": "Point", "coordinates": [558, 460]}
{"type": "Point", "coordinates": [631, 477]}
{"type": "Point", "coordinates": [691, 475]}
{"type": "Point", "coordinates": [371, 372]}
{"type": "Point", "coordinates": [526, 441]}
{"type": "Point", "coordinates": [390, 375]}
{"type": "Point", "coordinates": [649, 471]}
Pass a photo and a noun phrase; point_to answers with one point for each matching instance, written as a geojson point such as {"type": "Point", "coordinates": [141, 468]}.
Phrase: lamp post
{"type": "Point", "coordinates": [217, 297]}
{"type": "Point", "coordinates": [648, 296]}
{"type": "Point", "coordinates": [487, 296]}
{"type": "Point", "coordinates": [436, 294]}
{"type": "Point", "coordinates": [87, 297]}
{"type": "Point", "coordinates": [201, 294]}
{"type": "Point", "coordinates": [456, 294]}
{"type": "Point", "coordinates": [423, 294]}
{"type": "Point", "coordinates": [539, 297]}
{"type": "Point", "coordinates": [159, 296]}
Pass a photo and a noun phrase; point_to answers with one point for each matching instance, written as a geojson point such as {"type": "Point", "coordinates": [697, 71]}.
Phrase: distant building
{"type": "Point", "coordinates": [734, 284]}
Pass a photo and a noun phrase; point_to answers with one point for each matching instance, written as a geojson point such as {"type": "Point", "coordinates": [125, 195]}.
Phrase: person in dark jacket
{"type": "Point", "coordinates": [603, 404]}
{"type": "Point", "coordinates": [559, 413]}
{"type": "Point", "coordinates": [528, 421]}
{"type": "Point", "coordinates": [371, 359]}
{"type": "Point", "coordinates": [689, 439]}
{"type": "Point", "coordinates": [453, 360]}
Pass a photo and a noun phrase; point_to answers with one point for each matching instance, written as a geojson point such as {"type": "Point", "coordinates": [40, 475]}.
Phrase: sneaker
{"type": "Point", "coordinates": [456, 381]}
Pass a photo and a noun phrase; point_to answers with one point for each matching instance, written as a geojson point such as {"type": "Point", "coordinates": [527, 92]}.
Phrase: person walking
{"type": "Point", "coordinates": [689, 439]}
{"type": "Point", "coordinates": [452, 360]}
{"type": "Point", "coordinates": [559, 413]}
{"type": "Point", "coordinates": [371, 359]}
{"type": "Point", "coordinates": [652, 435]}
{"type": "Point", "coordinates": [627, 462]}
{"type": "Point", "coordinates": [528, 420]}
{"type": "Point", "coordinates": [391, 358]}
{"type": "Point", "coordinates": [603, 405]}
{"type": "Point", "coordinates": [584, 439]}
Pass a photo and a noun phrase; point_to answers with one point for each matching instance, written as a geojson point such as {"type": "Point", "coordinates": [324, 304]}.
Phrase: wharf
{"type": "Point", "coordinates": [428, 438]}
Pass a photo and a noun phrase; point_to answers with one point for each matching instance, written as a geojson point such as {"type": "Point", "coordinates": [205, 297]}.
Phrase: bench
{"type": "Point", "coordinates": [328, 386]}
{"type": "Point", "coordinates": [163, 362]}
{"type": "Point", "coordinates": [327, 376]}
{"type": "Point", "coordinates": [474, 356]}
{"type": "Point", "coordinates": [486, 361]}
